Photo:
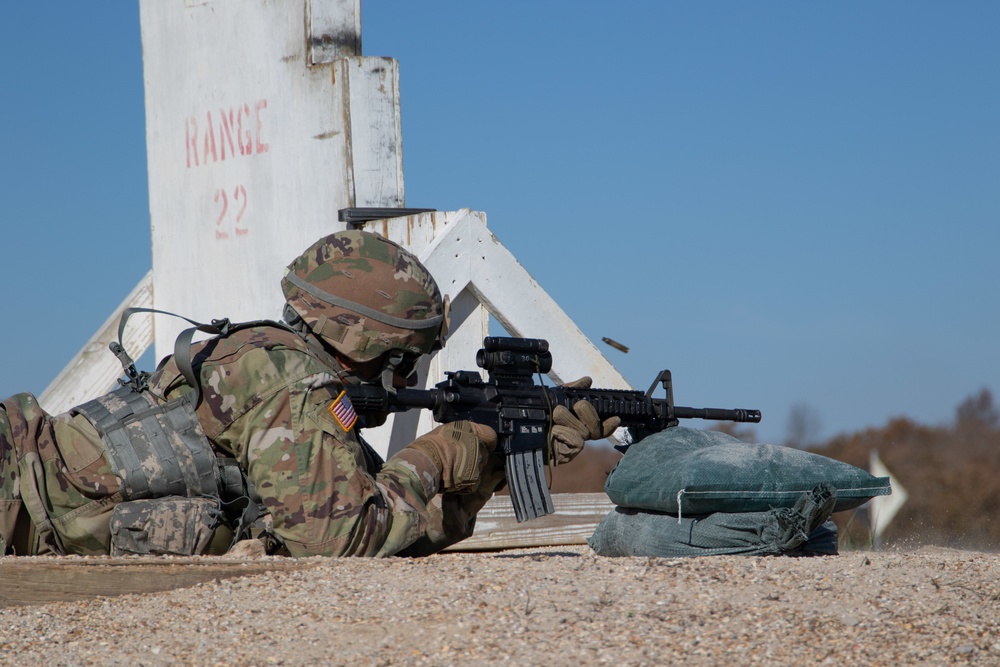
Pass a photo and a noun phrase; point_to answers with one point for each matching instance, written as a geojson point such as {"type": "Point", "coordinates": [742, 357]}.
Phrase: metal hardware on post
{"type": "Point", "coordinates": [357, 217]}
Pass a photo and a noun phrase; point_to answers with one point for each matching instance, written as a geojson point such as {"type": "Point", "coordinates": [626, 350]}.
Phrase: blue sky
{"type": "Point", "coordinates": [785, 203]}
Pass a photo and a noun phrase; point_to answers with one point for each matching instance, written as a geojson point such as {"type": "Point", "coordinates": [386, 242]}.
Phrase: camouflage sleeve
{"type": "Point", "coordinates": [312, 475]}
{"type": "Point", "coordinates": [451, 517]}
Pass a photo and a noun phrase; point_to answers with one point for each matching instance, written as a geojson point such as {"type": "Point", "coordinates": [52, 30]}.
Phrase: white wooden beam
{"type": "Point", "coordinates": [94, 369]}
{"type": "Point", "coordinates": [466, 254]}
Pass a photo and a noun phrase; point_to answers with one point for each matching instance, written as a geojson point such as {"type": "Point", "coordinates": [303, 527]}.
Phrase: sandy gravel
{"type": "Point", "coordinates": [551, 606]}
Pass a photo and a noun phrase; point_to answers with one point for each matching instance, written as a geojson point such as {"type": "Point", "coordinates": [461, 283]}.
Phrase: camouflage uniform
{"type": "Point", "coordinates": [267, 399]}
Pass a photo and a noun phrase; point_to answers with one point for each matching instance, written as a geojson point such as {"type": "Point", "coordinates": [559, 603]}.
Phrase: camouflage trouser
{"type": "Point", "coordinates": [57, 490]}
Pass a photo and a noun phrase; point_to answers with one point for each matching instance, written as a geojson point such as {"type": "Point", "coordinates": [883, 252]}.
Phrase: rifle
{"type": "Point", "coordinates": [520, 411]}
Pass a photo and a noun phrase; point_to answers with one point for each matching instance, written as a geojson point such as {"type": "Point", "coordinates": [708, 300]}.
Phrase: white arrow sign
{"type": "Point", "coordinates": [882, 509]}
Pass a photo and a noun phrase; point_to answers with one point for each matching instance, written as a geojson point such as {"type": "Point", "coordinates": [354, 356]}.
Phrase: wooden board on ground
{"type": "Point", "coordinates": [576, 517]}
{"type": "Point", "coordinates": [38, 580]}
{"type": "Point", "coordinates": [27, 581]}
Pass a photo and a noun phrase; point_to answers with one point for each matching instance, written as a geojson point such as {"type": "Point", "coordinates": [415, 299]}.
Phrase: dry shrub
{"type": "Point", "coordinates": [587, 472]}
{"type": "Point", "coordinates": [950, 474]}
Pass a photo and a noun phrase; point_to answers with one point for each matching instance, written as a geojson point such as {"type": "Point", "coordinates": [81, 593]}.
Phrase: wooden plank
{"type": "Point", "coordinates": [373, 130]}
{"type": "Point", "coordinates": [39, 580]}
{"type": "Point", "coordinates": [334, 30]}
{"type": "Point", "coordinates": [252, 148]}
{"type": "Point", "coordinates": [575, 518]}
{"type": "Point", "coordinates": [27, 581]}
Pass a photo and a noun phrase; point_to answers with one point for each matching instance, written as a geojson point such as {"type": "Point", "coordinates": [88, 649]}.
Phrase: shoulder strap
{"type": "Point", "coordinates": [182, 346]}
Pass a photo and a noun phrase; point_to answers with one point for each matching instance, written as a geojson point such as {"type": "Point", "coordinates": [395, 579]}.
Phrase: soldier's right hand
{"type": "Point", "coordinates": [462, 450]}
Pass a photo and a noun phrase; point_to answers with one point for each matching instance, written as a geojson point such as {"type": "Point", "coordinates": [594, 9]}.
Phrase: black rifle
{"type": "Point", "coordinates": [520, 411]}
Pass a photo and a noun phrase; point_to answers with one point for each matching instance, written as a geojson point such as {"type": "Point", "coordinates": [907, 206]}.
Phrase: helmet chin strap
{"type": "Point", "coordinates": [393, 359]}
{"type": "Point", "coordinates": [327, 354]}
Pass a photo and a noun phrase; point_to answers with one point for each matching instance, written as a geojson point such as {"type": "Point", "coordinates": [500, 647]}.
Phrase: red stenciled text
{"type": "Point", "coordinates": [225, 134]}
{"type": "Point", "coordinates": [230, 218]}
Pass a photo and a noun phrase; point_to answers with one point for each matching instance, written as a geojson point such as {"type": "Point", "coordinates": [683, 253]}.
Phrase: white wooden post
{"type": "Point", "coordinates": [258, 132]}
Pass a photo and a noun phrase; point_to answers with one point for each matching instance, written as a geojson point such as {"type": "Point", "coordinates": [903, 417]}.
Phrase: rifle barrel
{"type": "Point", "coordinates": [718, 414]}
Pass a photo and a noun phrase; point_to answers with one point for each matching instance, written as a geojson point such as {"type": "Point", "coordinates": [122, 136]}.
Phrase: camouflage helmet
{"type": "Point", "coordinates": [364, 295]}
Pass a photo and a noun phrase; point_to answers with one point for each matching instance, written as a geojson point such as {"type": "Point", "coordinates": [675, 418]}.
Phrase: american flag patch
{"type": "Point", "coordinates": [343, 411]}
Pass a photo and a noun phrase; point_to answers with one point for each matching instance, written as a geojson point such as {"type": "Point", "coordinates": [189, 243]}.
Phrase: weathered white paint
{"type": "Point", "coordinates": [94, 369]}
{"type": "Point", "coordinates": [466, 255]}
{"type": "Point", "coordinates": [252, 149]}
{"type": "Point", "coordinates": [334, 30]}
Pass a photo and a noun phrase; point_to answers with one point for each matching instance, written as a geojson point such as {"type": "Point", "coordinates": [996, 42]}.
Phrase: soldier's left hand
{"type": "Point", "coordinates": [572, 428]}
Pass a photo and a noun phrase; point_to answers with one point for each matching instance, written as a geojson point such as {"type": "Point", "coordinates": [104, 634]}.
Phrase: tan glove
{"type": "Point", "coordinates": [571, 429]}
{"type": "Point", "coordinates": [462, 450]}
{"type": "Point", "coordinates": [452, 516]}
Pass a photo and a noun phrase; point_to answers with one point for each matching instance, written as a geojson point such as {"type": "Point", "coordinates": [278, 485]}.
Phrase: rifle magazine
{"type": "Point", "coordinates": [529, 491]}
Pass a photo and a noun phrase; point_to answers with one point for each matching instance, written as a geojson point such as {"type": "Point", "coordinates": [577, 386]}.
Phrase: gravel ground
{"type": "Point", "coordinates": [551, 606]}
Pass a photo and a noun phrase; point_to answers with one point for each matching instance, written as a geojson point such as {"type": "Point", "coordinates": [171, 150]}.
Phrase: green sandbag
{"type": "Point", "coordinates": [801, 530]}
{"type": "Point", "coordinates": [689, 471]}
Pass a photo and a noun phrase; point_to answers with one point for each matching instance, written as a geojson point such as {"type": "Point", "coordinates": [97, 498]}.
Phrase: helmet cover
{"type": "Point", "coordinates": [364, 295]}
